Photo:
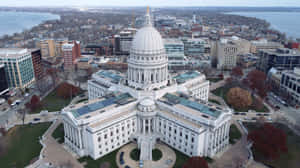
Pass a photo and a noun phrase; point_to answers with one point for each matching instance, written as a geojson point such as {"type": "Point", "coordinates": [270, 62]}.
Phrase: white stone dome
{"type": "Point", "coordinates": [147, 40]}
{"type": "Point", "coordinates": [147, 102]}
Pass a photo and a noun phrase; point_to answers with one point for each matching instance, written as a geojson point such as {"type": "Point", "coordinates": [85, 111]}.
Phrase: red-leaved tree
{"type": "Point", "coordinates": [195, 162]}
{"type": "Point", "coordinates": [66, 90]}
{"type": "Point", "coordinates": [269, 141]}
{"type": "Point", "coordinates": [257, 80]}
{"type": "Point", "coordinates": [237, 72]}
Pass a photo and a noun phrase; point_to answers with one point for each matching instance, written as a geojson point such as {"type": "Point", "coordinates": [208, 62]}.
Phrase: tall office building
{"type": "Point", "coordinates": [18, 67]}
{"type": "Point", "coordinates": [281, 59]}
{"type": "Point", "coordinates": [58, 46]}
{"type": "Point", "coordinates": [197, 47]}
{"type": "Point", "coordinates": [52, 47]}
{"type": "Point", "coordinates": [37, 63]}
{"type": "Point", "coordinates": [226, 50]}
{"type": "Point", "coordinates": [3, 80]}
{"type": "Point", "coordinates": [124, 40]}
{"type": "Point", "coordinates": [47, 48]}
{"type": "Point", "coordinates": [175, 52]}
{"type": "Point", "coordinates": [71, 52]}
{"type": "Point", "coordinates": [290, 83]}
{"type": "Point", "coordinates": [147, 106]}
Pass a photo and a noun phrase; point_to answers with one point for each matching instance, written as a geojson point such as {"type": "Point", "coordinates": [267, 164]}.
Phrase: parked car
{"type": "Point", "coordinates": [127, 166]}
{"type": "Point", "coordinates": [36, 119]}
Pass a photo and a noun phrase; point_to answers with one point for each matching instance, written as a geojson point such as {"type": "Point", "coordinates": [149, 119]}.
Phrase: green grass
{"type": "Point", "coordinates": [180, 159]}
{"type": "Point", "coordinates": [52, 102]}
{"type": "Point", "coordinates": [214, 101]}
{"type": "Point", "coordinates": [135, 154]}
{"type": "Point", "coordinates": [214, 80]}
{"type": "Point", "coordinates": [59, 134]}
{"type": "Point", "coordinates": [222, 92]}
{"type": "Point", "coordinates": [234, 134]}
{"type": "Point", "coordinates": [82, 100]}
{"type": "Point", "coordinates": [156, 154]}
{"type": "Point", "coordinates": [91, 163]}
{"type": "Point", "coordinates": [22, 145]}
{"type": "Point", "coordinates": [291, 159]}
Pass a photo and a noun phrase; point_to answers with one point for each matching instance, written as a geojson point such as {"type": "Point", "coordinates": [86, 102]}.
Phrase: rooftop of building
{"type": "Point", "coordinates": [282, 52]}
{"type": "Point", "coordinates": [100, 105]}
{"type": "Point", "coordinates": [172, 41]}
{"type": "Point", "coordinates": [12, 52]}
{"type": "Point", "coordinates": [182, 78]}
{"type": "Point", "coordinates": [295, 72]}
{"type": "Point", "coordinates": [190, 105]}
{"type": "Point", "coordinates": [112, 76]}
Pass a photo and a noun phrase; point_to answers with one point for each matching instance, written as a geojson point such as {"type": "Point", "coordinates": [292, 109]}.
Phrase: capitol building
{"type": "Point", "coordinates": [147, 105]}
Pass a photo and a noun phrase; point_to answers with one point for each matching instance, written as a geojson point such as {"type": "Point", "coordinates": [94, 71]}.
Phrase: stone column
{"type": "Point", "coordinates": [144, 126]}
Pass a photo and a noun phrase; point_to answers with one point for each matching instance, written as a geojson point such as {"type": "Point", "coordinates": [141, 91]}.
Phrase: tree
{"type": "Point", "coordinates": [66, 90]}
{"type": "Point", "coordinates": [35, 102]}
{"type": "Point", "coordinates": [239, 98]}
{"type": "Point", "coordinates": [257, 81]}
{"type": "Point", "coordinates": [52, 72]}
{"type": "Point", "coordinates": [237, 72]}
{"type": "Point", "coordinates": [269, 141]}
{"type": "Point", "coordinates": [195, 162]}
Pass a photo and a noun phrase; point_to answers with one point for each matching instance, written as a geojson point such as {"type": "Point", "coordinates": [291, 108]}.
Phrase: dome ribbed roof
{"type": "Point", "coordinates": [147, 39]}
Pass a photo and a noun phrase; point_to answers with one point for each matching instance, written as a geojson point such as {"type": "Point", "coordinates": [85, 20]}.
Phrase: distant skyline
{"type": "Point", "coordinates": [249, 3]}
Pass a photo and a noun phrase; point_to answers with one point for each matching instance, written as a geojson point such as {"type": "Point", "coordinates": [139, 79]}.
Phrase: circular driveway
{"type": "Point", "coordinates": [167, 161]}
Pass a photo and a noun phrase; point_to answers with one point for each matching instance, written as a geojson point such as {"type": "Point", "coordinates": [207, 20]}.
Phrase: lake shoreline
{"type": "Point", "coordinates": [19, 21]}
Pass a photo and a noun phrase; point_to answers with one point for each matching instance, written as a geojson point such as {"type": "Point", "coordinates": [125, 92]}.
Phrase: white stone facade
{"type": "Point", "coordinates": [147, 106]}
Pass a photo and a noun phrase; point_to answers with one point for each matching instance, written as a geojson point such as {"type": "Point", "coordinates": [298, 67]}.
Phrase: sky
{"type": "Point", "coordinates": [291, 3]}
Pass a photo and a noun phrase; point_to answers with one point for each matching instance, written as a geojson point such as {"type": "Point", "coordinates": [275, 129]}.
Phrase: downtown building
{"type": "Point", "coordinates": [37, 64]}
{"type": "Point", "coordinates": [70, 52]}
{"type": "Point", "coordinates": [3, 80]}
{"type": "Point", "coordinates": [227, 50]}
{"type": "Point", "coordinates": [281, 59]}
{"type": "Point", "coordinates": [18, 67]}
{"type": "Point", "coordinates": [290, 83]}
{"type": "Point", "coordinates": [175, 52]}
{"type": "Point", "coordinates": [123, 41]}
{"type": "Point", "coordinates": [147, 105]}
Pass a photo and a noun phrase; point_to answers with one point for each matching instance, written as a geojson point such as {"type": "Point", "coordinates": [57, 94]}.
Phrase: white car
{"type": "Point", "coordinates": [26, 94]}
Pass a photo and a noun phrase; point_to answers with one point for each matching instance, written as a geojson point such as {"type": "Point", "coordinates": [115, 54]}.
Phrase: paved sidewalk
{"type": "Point", "coordinates": [54, 152]}
{"type": "Point", "coordinates": [167, 161]}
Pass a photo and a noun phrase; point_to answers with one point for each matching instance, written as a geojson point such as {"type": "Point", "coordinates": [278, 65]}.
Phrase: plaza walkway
{"type": "Point", "coordinates": [167, 161]}
{"type": "Point", "coordinates": [55, 153]}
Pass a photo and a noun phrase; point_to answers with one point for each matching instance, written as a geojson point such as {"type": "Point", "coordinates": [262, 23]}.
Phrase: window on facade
{"type": "Point", "coordinates": [170, 128]}
{"type": "Point", "coordinates": [99, 146]}
{"type": "Point", "coordinates": [111, 133]}
{"type": "Point", "coordinates": [122, 128]}
{"type": "Point", "coordinates": [105, 136]}
{"type": "Point", "coordinates": [192, 139]}
{"type": "Point", "coordinates": [186, 136]}
{"type": "Point", "coordinates": [99, 139]}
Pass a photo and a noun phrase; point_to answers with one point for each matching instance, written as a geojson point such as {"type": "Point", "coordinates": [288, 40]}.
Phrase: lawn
{"type": "Point", "coordinates": [291, 159]}
{"type": "Point", "coordinates": [135, 154]}
{"type": "Point", "coordinates": [214, 101]}
{"type": "Point", "coordinates": [222, 92]}
{"type": "Point", "coordinates": [109, 158]}
{"type": "Point", "coordinates": [180, 158]}
{"type": "Point", "coordinates": [156, 154]}
{"type": "Point", "coordinates": [59, 134]}
{"type": "Point", "coordinates": [234, 134]}
{"type": "Point", "coordinates": [52, 102]}
{"type": "Point", "coordinates": [214, 80]}
{"type": "Point", "coordinates": [21, 145]}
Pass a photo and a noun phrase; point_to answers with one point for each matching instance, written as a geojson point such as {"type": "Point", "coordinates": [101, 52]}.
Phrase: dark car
{"type": "Point", "coordinates": [127, 166]}
{"type": "Point", "coordinates": [36, 119]}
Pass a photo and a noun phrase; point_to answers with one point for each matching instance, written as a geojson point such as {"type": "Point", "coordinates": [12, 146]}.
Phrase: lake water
{"type": "Point", "coordinates": [12, 22]}
{"type": "Point", "coordinates": [286, 22]}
